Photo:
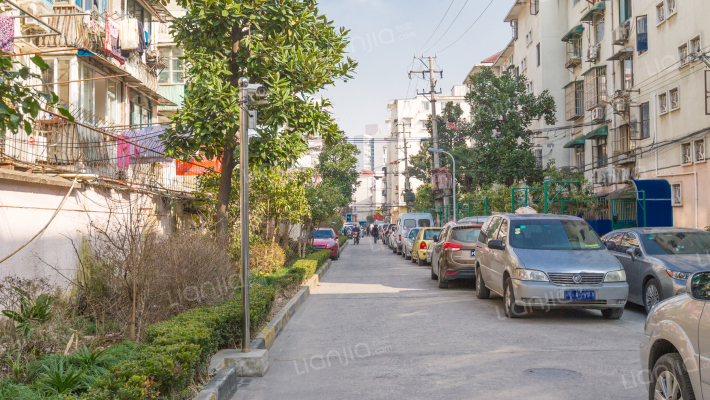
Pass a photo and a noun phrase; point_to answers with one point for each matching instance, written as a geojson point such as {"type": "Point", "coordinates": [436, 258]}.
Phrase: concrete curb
{"type": "Point", "coordinates": [220, 386]}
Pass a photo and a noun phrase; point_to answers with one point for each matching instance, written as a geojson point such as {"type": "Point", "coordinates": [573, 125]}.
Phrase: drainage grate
{"type": "Point", "coordinates": [552, 374]}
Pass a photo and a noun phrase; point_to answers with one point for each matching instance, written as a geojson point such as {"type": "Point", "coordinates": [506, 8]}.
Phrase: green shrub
{"type": "Point", "coordinates": [11, 390]}
{"type": "Point", "coordinates": [265, 258]}
{"type": "Point", "coordinates": [342, 240]}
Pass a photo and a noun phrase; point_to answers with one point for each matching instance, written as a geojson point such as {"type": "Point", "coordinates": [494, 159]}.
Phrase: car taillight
{"type": "Point", "coordinates": [400, 238]}
{"type": "Point", "coordinates": [452, 246]}
{"type": "Point", "coordinates": [422, 246]}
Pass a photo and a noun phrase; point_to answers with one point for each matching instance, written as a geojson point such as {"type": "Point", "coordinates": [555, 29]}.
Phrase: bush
{"type": "Point", "coordinates": [342, 240]}
{"type": "Point", "coordinates": [265, 258]}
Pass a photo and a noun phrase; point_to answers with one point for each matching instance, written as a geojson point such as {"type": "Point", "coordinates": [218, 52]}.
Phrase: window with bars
{"type": "Point", "coordinates": [663, 103]}
{"type": "Point", "coordinates": [699, 150]}
{"type": "Point", "coordinates": [574, 94]}
{"type": "Point", "coordinates": [514, 26]}
{"type": "Point", "coordinates": [677, 194]}
{"type": "Point", "coordinates": [683, 55]}
{"type": "Point", "coordinates": [594, 88]}
{"type": "Point", "coordinates": [175, 73]}
{"type": "Point", "coordinates": [574, 52]}
{"type": "Point", "coordinates": [686, 154]}
{"type": "Point", "coordinates": [600, 152]}
{"type": "Point", "coordinates": [579, 157]}
{"type": "Point", "coordinates": [660, 13]}
{"type": "Point", "coordinates": [645, 120]}
{"type": "Point", "coordinates": [599, 29]}
{"type": "Point", "coordinates": [623, 142]}
{"type": "Point", "coordinates": [695, 45]}
{"type": "Point", "coordinates": [674, 99]}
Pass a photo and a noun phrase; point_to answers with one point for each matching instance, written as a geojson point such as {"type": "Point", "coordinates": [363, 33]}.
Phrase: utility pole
{"type": "Point", "coordinates": [408, 195]}
{"type": "Point", "coordinates": [432, 98]}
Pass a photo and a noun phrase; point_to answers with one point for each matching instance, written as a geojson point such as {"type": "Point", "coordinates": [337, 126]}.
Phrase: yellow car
{"type": "Point", "coordinates": [421, 242]}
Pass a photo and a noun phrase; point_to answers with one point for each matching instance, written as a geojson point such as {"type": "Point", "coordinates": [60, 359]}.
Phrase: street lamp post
{"type": "Point", "coordinates": [244, 207]}
{"type": "Point", "coordinates": [433, 150]}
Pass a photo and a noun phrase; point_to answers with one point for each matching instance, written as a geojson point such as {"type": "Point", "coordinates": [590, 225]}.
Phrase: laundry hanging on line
{"type": "Point", "coordinates": [111, 44]}
{"type": "Point", "coordinates": [7, 34]}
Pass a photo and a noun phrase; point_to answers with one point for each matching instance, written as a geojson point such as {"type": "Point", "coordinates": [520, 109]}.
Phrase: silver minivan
{"type": "Point", "coordinates": [548, 261]}
{"type": "Point", "coordinates": [406, 222]}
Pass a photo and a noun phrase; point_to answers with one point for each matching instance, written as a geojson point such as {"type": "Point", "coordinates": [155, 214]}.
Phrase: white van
{"type": "Point", "coordinates": [408, 221]}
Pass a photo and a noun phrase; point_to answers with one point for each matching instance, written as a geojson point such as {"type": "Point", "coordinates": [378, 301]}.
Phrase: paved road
{"type": "Point", "coordinates": [379, 328]}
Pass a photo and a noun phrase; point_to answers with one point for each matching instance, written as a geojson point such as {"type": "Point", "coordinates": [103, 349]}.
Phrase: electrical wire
{"type": "Point", "coordinates": [469, 28]}
{"type": "Point", "coordinates": [450, 25]}
{"type": "Point", "coordinates": [437, 27]}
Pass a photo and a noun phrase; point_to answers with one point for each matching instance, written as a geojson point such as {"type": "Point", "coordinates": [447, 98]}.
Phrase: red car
{"type": "Point", "coordinates": [325, 238]}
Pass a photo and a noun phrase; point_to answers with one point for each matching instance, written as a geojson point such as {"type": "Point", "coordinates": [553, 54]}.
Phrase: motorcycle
{"type": "Point", "coordinates": [357, 239]}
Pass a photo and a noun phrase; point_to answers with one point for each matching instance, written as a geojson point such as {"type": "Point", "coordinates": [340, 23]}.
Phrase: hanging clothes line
{"type": "Point", "coordinates": [77, 80]}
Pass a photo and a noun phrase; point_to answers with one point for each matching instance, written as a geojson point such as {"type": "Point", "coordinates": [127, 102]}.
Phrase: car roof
{"type": "Point", "coordinates": [540, 216]}
{"type": "Point", "coordinates": [656, 230]}
{"type": "Point", "coordinates": [325, 229]}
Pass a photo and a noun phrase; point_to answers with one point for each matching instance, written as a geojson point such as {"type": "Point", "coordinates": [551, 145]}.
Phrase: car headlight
{"type": "Point", "coordinates": [615, 276]}
{"type": "Point", "coordinates": [331, 244]}
{"type": "Point", "coordinates": [531, 275]}
{"type": "Point", "coordinates": [681, 276]}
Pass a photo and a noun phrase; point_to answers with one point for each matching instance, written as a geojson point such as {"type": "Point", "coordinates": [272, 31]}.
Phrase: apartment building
{"type": "Point", "coordinates": [408, 128]}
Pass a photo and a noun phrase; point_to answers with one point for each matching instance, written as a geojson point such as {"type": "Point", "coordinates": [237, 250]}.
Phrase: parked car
{"type": "Point", "coordinates": [659, 261]}
{"type": "Point", "coordinates": [325, 238]}
{"type": "Point", "coordinates": [408, 243]}
{"type": "Point", "coordinates": [390, 241]}
{"type": "Point", "coordinates": [421, 245]}
{"type": "Point", "coordinates": [408, 221]}
{"type": "Point", "coordinates": [454, 253]}
{"type": "Point", "coordinates": [674, 353]}
{"type": "Point", "coordinates": [548, 261]}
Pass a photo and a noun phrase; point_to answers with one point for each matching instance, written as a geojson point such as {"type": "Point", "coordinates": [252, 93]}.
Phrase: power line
{"type": "Point", "coordinates": [447, 29]}
{"type": "Point", "coordinates": [469, 28]}
{"type": "Point", "coordinates": [437, 27]}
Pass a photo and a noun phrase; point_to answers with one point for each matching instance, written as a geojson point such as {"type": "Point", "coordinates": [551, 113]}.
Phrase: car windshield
{"type": "Point", "coordinates": [467, 234]}
{"type": "Point", "coordinates": [553, 234]}
{"type": "Point", "coordinates": [676, 243]}
{"type": "Point", "coordinates": [413, 233]}
{"type": "Point", "coordinates": [430, 233]}
{"type": "Point", "coordinates": [323, 235]}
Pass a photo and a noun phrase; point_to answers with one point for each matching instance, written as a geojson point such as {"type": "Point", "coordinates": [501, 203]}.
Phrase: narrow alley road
{"type": "Point", "coordinates": [379, 328]}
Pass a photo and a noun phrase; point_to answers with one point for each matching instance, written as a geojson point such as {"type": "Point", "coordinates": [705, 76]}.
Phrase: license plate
{"type": "Point", "coordinates": [580, 295]}
{"type": "Point", "coordinates": [473, 253]}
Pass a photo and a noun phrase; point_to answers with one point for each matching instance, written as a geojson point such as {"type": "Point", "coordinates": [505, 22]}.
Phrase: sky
{"type": "Point", "coordinates": [386, 34]}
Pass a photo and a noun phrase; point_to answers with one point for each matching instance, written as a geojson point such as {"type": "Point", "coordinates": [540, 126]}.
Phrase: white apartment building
{"type": "Point", "coordinates": [371, 146]}
{"type": "Point", "coordinates": [630, 81]}
{"type": "Point", "coordinates": [408, 127]}
{"type": "Point", "coordinates": [368, 196]}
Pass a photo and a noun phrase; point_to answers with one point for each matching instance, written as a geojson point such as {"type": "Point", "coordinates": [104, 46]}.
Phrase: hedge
{"type": "Point", "coordinates": [178, 349]}
{"type": "Point", "coordinates": [342, 240]}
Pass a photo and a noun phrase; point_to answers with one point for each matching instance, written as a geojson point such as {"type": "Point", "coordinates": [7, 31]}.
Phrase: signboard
{"type": "Point", "coordinates": [348, 218]}
{"type": "Point", "coordinates": [377, 217]}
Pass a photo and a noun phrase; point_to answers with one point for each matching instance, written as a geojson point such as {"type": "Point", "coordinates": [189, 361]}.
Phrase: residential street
{"type": "Point", "coordinates": [404, 338]}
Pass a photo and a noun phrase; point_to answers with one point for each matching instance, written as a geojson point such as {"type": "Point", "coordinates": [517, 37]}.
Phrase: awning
{"type": "Point", "coordinates": [575, 32]}
{"type": "Point", "coordinates": [575, 143]}
{"type": "Point", "coordinates": [603, 131]}
{"type": "Point", "coordinates": [597, 9]}
{"type": "Point", "coordinates": [621, 54]}
{"type": "Point", "coordinates": [592, 69]}
{"type": "Point", "coordinates": [570, 84]}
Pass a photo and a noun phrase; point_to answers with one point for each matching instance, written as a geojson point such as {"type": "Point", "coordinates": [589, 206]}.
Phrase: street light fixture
{"type": "Point", "coordinates": [433, 150]}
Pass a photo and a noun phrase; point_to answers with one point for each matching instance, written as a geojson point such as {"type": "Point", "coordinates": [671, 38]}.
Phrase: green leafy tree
{"type": "Point", "coordinates": [19, 104]}
{"type": "Point", "coordinates": [337, 167]}
{"type": "Point", "coordinates": [502, 112]}
{"type": "Point", "coordinates": [424, 200]}
{"type": "Point", "coordinates": [289, 47]}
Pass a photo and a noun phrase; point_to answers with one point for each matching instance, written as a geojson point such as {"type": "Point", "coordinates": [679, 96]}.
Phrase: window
{"type": "Point", "coordinates": [695, 46]}
{"type": "Point", "coordinates": [141, 14]}
{"type": "Point", "coordinates": [574, 52]}
{"type": "Point", "coordinates": [600, 153]}
{"type": "Point", "coordinates": [623, 142]}
{"type": "Point", "coordinates": [642, 34]}
{"type": "Point", "coordinates": [594, 87]}
{"type": "Point", "coordinates": [699, 150]}
{"type": "Point", "coordinates": [503, 232]}
{"type": "Point", "coordinates": [686, 154]}
{"type": "Point", "coordinates": [674, 99]}
{"type": "Point", "coordinates": [524, 64]}
{"type": "Point", "coordinates": [671, 8]}
{"type": "Point", "coordinates": [579, 157]}
{"type": "Point", "coordinates": [677, 194]}
{"type": "Point", "coordinates": [528, 38]}
{"type": "Point", "coordinates": [599, 30]}
{"type": "Point", "coordinates": [58, 72]}
{"type": "Point", "coordinates": [517, 71]}
{"type": "Point", "coordinates": [534, 7]}
{"type": "Point", "coordinates": [553, 234]}
{"type": "Point", "coordinates": [660, 13]}
{"type": "Point", "coordinates": [574, 103]}
{"type": "Point", "coordinates": [683, 55]}
{"type": "Point", "coordinates": [645, 121]}
{"type": "Point", "coordinates": [538, 158]}
{"type": "Point", "coordinates": [175, 73]}
{"type": "Point", "coordinates": [514, 26]}
{"type": "Point", "coordinates": [624, 11]}
{"type": "Point", "coordinates": [627, 66]}
{"type": "Point", "coordinates": [529, 87]}
{"type": "Point", "coordinates": [425, 106]}
{"type": "Point", "coordinates": [707, 92]}
{"type": "Point", "coordinates": [539, 60]}
{"type": "Point", "coordinates": [141, 109]}
{"type": "Point", "coordinates": [662, 103]}
{"type": "Point", "coordinates": [574, 2]}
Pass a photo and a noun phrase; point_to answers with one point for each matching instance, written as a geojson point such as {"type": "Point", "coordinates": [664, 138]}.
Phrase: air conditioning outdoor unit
{"type": "Point", "coordinates": [601, 177]}
{"type": "Point", "coordinates": [593, 54]}
{"type": "Point", "coordinates": [620, 35]}
{"type": "Point", "coordinates": [598, 113]}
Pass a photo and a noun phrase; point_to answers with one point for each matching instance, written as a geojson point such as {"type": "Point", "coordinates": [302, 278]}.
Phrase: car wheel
{"type": "Point", "coordinates": [442, 283]}
{"type": "Point", "coordinates": [670, 380]}
{"type": "Point", "coordinates": [651, 294]}
{"type": "Point", "coordinates": [408, 255]}
{"type": "Point", "coordinates": [421, 263]}
{"type": "Point", "coordinates": [613, 313]}
{"type": "Point", "coordinates": [482, 292]}
{"type": "Point", "coordinates": [433, 275]}
{"type": "Point", "coordinates": [511, 309]}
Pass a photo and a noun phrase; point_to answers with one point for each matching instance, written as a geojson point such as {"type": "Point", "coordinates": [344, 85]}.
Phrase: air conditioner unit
{"type": "Point", "coordinates": [593, 54]}
{"type": "Point", "coordinates": [621, 175]}
{"type": "Point", "coordinates": [598, 113]}
{"type": "Point", "coordinates": [620, 35]}
{"type": "Point", "coordinates": [601, 177]}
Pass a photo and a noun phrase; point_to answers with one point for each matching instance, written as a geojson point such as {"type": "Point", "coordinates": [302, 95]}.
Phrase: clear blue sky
{"type": "Point", "coordinates": [385, 34]}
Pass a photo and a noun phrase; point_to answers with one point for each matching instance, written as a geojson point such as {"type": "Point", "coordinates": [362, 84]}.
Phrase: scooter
{"type": "Point", "coordinates": [357, 238]}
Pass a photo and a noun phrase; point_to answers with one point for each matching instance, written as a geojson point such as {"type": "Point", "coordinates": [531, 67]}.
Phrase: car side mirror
{"type": "Point", "coordinates": [698, 286]}
{"type": "Point", "coordinates": [495, 244]}
{"type": "Point", "coordinates": [436, 238]}
{"type": "Point", "coordinates": [634, 252]}
{"type": "Point", "coordinates": [610, 245]}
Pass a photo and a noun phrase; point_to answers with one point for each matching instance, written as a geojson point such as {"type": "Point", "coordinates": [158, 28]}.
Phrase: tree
{"type": "Point", "coordinates": [424, 200]}
{"type": "Point", "coordinates": [502, 111]}
{"type": "Point", "coordinates": [19, 104]}
{"type": "Point", "coordinates": [289, 47]}
{"type": "Point", "coordinates": [337, 166]}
